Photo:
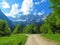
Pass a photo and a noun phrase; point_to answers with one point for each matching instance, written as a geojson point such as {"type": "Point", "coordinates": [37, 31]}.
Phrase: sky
{"type": "Point", "coordinates": [13, 8]}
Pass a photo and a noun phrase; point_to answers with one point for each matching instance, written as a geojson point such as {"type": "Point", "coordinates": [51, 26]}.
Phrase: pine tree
{"type": "Point", "coordinates": [18, 29]}
{"type": "Point", "coordinates": [4, 29]}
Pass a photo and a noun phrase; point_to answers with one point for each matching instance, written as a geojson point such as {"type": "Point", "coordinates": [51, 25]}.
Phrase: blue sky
{"type": "Point", "coordinates": [25, 7]}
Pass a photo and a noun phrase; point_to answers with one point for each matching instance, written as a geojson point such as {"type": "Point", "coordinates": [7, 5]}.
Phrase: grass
{"type": "Point", "coordinates": [16, 39]}
{"type": "Point", "coordinates": [54, 37]}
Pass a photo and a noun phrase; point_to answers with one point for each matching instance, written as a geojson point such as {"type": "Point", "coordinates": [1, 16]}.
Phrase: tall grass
{"type": "Point", "coordinates": [17, 39]}
{"type": "Point", "coordinates": [54, 37]}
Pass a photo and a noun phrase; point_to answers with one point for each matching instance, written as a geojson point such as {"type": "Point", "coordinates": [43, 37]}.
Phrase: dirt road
{"type": "Point", "coordinates": [36, 39]}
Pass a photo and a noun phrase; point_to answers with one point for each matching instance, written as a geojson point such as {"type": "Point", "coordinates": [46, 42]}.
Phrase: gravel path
{"type": "Point", "coordinates": [36, 39]}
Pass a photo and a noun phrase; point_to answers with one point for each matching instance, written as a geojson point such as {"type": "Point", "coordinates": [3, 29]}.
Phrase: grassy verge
{"type": "Point", "coordinates": [17, 39]}
{"type": "Point", "coordinates": [54, 37]}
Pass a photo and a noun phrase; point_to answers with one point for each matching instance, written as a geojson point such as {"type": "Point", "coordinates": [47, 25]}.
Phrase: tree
{"type": "Point", "coordinates": [46, 26]}
{"type": "Point", "coordinates": [55, 4]}
{"type": "Point", "coordinates": [18, 29]}
{"type": "Point", "coordinates": [28, 29]}
{"type": "Point", "coordinates": [4, 29]}
{"type": "Point", "coordinates": [31, 29]}
{"type": "Point", "coordinates": [52, 22]}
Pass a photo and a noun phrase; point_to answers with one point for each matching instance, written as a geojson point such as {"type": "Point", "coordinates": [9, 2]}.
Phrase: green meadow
{"type": "Point", "coordinates": [55, 37]}
{"type": "Point", "coordinates": [16, 39]}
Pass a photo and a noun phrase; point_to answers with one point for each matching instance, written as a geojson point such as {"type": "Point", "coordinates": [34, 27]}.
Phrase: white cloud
{"type": "Point", "coordinates": [23, 20]}
{"type": "Point", "coordinates": [43, 1]}
{"type": "Point", "coordinates": [40, 13]}
{"type": "Point", "coordinates": [8, 14]}
{"type": "Point", "coordinates": [26, 6]}
{"type": "Point", "coordinates": [35, 13]}
{"type": "Point", "coordinates": [14, 10]}
{"type": "Point", "coordinates": [5, 4]}
{"type": "Point", "coordinates": [37, 3]}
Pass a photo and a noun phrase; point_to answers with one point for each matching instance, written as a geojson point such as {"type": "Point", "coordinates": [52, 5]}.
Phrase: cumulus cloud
{"type": "Point", "coordinates": [43, 1]}
{"type": "Point", "coordinates": [37, 3]}
{"type": "Point", "coordinates": [14, 10]}
{"type": "Point", "coordinates": [5, 4]}
{"type": "Point", "coordinates": [40, 13]}
{"type": "Point", "coordinates": [23, 20]}
{"type": "Point", "coordinates": [35, 13]}
{"type": "Point", "coordinates": [26, 6]}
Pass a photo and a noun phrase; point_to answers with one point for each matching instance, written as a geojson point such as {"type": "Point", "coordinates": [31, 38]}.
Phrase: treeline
{"type": "Point", "coordinates": [28, 29]}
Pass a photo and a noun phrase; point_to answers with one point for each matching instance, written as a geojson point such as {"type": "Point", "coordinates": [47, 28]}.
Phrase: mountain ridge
{"type": "Point", "coordinates": [3, 17]}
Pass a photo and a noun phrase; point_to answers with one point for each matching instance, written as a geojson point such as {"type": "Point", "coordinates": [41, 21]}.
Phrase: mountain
{"type": "Point", "coordinates": [3, 17]}
{"type": "Point", "coordinates": [23, 19]}
{"type": "Point", "coordinates": [27, 19]}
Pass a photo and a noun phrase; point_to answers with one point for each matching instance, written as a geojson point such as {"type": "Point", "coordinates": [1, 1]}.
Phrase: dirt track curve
{"type": "Point", "coordinates": [36, 39]}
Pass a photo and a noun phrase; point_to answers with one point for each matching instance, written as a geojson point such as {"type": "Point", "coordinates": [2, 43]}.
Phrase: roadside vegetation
{"type": "Point", "coordinates": [54, 37]}
{"type": "Point", "coordinates": [16, 39]}
{"type": "Point", "coordinates": [51, 27]}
